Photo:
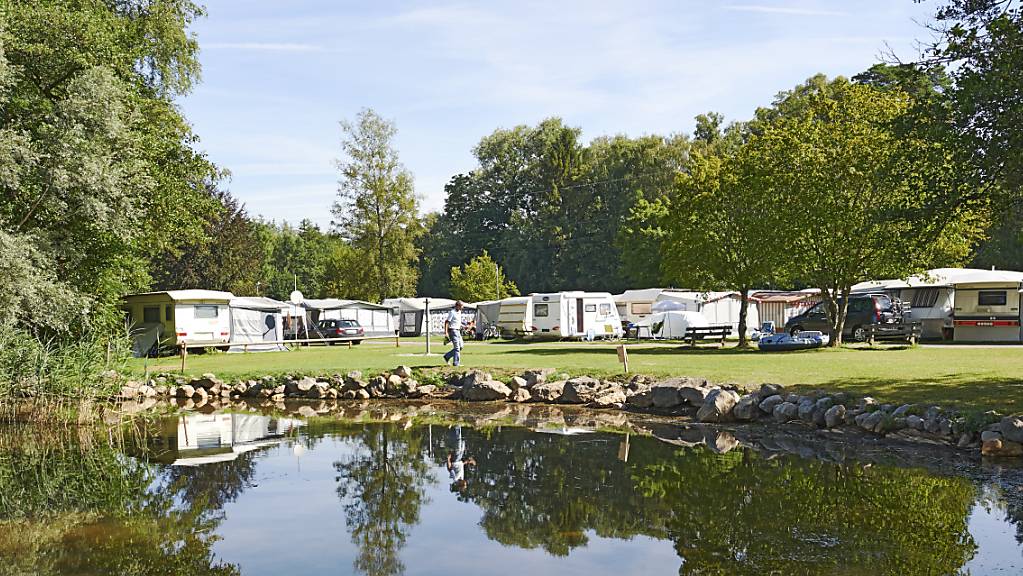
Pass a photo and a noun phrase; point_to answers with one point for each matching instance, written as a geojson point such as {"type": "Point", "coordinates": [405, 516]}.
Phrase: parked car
{"type": "Point", "coordinates": [864, 310]}
{"type": "Point", "coordinates": [326, 329]}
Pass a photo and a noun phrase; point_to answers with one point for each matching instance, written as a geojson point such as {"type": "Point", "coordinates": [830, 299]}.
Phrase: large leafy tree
{"type": "Point", "coordinates": [376, 204]}
{"type": "Point", "coordinates": [92, 149]}
{"type": "Point", "coordinates": [861, 194]}
{"type": "Point", "coordinates": [481, 279]}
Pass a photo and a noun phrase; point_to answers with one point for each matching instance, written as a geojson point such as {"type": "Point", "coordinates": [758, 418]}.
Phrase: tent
{"type": "Point", "coordinates": [375, 319]}
{"type": "Point", "coordinates": [671, 324]}
{"type": "Point", "coordinates": [488, 313]}
{"type": "Point", "coordinates": [718, 307]}
{"type": "Point", "coordinates": [410, 314]}
{"type": "Point", "coordinates": [257, 324]}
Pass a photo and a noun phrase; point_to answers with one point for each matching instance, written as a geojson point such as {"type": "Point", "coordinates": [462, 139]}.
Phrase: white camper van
{"type": "Point", "coordinates": [575, 315]}
{"type": "Point", "coordinates": [194, 318]}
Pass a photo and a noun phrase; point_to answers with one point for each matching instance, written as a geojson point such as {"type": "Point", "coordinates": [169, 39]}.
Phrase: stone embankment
{"type": "Point", "coordinates": [991, 433]}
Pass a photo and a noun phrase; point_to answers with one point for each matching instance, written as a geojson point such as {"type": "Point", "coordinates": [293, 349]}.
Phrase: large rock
{"type": "Point", "coordinates": [834, 416]}
{"type": "Point", "coordinates": [517, 382]}
{"type": "Point", "coordinates": [425, 390]}
{"type": "Point", "coordinates": [474, 378]}
{"type": "Point", "coordinates": [1011, 428]}
{"type": "Point", "coordinates": [403, 372]}
{"type": "Point", "coordinates": [718, 406]}
{"type": "Point", "coordinates": [299, 387]}
{"type": "Point", "coordinates": [319, 390]}
{"type": "Point", "coordinates": [579, 391]}
{"type": "Point", "coordinates": [821, 408]}
{"type": "Point", "coordinates": [521, 394]}
{"type": "Point", "coordinates": [185, 391]}
{"type": "Point", "coordinates": [642, 399]}
{"type": "Point", "coordinates": [806, 408]}
{"type": "Point", "coordinates": [746, 408]}
{"type": "Point", "coordinates": [613, 397]}
{"type": "Point", "coordinates": [536, 376]}
{"type": "Point", "coordinates": [1001, 448]}
{"type": "Point", "coordinates": [484, 391]}
{"type": "Point", "coordinates": [915, 422]}
{"type": "Point", "coordinates": [768, 404]}
{"type": "Point", "coordinates": [785, 412]}
{"type": "Point", "coordinates": [548, 391]}
{"type": "Point", "coordinates": [393, 385]}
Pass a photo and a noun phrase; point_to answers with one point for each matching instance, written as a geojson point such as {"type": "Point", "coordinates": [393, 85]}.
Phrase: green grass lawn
{"type": "Point", "coordinates": [970, 377]}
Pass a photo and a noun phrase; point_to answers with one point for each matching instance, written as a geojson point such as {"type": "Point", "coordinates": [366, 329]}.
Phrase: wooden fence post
{"type": "Point", "coordinates": [184, 353]}
{"type": "Point", "coordinates": [623, 357]}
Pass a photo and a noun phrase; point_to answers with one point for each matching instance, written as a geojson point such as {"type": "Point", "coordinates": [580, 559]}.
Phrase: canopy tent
{"type": "Point", "coordinates": [488, 313]}
{"type": "Point", "coordinates": [257, 324]}
{"type": "Point", "coordinates": [671, 324]}
{"type": "Point", "coordinates": [375, 319]}
{"type": "Point", "coordinates": [410, 314]}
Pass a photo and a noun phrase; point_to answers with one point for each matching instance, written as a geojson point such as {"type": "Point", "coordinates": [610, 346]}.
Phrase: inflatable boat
{"type": "Point", "coordinates": [784, 342]}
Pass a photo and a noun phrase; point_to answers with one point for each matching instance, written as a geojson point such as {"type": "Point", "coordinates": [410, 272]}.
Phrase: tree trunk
{"type": "Point", "coordinates": [842, 307]}
{"type": "Point", "coordinates": [743, 313]}
{"type": "Point", "coordinates": [831, 306]}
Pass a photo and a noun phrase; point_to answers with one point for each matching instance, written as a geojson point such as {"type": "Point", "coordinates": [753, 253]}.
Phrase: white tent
{"type": "Point", "coordinates": [257, 324]}
{"type": "Point", "coordinates": [488, 313]}
{"type": "Point", "coordinates": [670, 325]}
{"type": "Point", "coordinates": [375, 319]}
{"type": "Point", "coordinates": [718, 307]}
{"type": "Point", "coordinates": [410, 314]}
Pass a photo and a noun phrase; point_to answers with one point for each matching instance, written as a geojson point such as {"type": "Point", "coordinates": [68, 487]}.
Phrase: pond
{"type": "Point", "coordinates": [373, 493]}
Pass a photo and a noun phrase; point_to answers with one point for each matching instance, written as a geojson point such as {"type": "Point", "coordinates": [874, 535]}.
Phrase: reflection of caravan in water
{"type": "Point", "coordinates": [575, 315]}
{"type": "Point", "coordinates": [199, 439]}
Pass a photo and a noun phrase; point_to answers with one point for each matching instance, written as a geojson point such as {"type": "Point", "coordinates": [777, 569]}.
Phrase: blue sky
{"type": "Point", "coordinates": [278, 76]}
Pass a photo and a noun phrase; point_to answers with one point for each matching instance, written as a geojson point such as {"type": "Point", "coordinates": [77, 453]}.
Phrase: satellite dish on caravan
{"type": "Point", "coordinates": [296, 297]}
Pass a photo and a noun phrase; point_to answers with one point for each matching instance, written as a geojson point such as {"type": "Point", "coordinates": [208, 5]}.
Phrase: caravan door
{"type": "Point", "coordinates": [580, 316]}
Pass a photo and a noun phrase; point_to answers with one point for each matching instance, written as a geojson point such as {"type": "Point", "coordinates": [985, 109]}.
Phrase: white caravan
{"type": "Point", "coordinates": [169, 319]}
{"type": "Point", "coordinates": [575, 315]}
{"type": "Point", "coordinates": [964, 304]}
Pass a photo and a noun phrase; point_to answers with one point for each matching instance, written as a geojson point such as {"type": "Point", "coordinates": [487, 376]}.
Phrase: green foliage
{"type": "Point", "coordinates": [860, 194]}
{"type": "Point", "coordinates": [376, 206]}
{"type": "Point", "coordinates": [481, 279]}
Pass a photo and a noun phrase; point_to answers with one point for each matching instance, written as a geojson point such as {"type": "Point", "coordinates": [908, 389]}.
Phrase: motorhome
{"type": "Point", "coordinates": [575, 315]}
{"type": "Point", "coordinates": [175, 318]}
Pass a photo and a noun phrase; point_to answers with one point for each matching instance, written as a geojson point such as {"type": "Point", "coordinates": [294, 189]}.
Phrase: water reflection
{"type": "Point", "coordinates": [221, 494]}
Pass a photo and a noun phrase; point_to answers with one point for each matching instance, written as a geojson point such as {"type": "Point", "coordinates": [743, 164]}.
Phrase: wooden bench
{"type": "Point", "coordinates": [707, 334]}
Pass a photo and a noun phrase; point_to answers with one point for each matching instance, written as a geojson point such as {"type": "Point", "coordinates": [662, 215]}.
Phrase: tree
{"type": "Point", "coordinates": [860, 195]}
{"type": "Point", "coordinates": [376, 207]}
{"type": "Point", "coordinates": [722, 235]}
{"type": "Point", "coordinates": [228, 258]}
{"type": "Point", "coordinates": [481, 279]}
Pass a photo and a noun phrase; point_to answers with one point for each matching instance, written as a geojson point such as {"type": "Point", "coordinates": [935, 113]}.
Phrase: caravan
{"type": "Point", "coordinates": [174, 318]}
{"type": "Point", "coordinates": [575, 315]}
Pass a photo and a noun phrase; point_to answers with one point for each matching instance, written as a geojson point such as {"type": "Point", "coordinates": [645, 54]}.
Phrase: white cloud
{"type": "Point", "coordinates": [264, 46]}
{"type": "Point", "coordinates": [789, 10]}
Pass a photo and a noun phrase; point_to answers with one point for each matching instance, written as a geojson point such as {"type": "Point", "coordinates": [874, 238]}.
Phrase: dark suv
{"type": "Point", "coordinates": [864, 310]}
{"type": "Point", "coordinates": [337, 329]}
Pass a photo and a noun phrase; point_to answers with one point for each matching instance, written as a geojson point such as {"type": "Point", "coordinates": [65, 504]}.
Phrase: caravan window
{"type": "Point", "coordinates": [991, 298]}
{"type": "Point", "coordinates": [168, 313]}
{"type": "Point", "coordinates": [641, 308]}
{"type": "Point", "coordinates": [540, 310]}
{"type": "Point", "coordinates": [591, 307]}
{"type": "Point", "coordinates": [206, 311]}
{"type": "Point", "coordinates": [605, 309]}
{"type": "Point", "coordinates": [924, 298]}
{"type": "Point", "coordinates": [151, 314]}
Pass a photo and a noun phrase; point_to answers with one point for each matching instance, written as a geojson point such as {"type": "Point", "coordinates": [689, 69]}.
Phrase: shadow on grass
{"type": "Point", "coordinates": [999, 393]}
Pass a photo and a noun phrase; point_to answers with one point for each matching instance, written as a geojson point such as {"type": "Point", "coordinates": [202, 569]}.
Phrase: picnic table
{"type": "Point", "coordinates": [707, 334]}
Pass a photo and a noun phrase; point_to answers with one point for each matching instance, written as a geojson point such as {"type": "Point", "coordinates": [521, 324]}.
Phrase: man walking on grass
{"type": "Point", "coordinates": [453, 328]}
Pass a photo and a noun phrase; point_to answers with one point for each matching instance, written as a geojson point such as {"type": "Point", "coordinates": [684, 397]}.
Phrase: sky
{"type": "Point", "coordinates": [279, 76]}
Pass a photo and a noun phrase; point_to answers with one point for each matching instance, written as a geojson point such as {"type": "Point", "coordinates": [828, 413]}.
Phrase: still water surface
{"type": "Point", "coordinates": [258, 495]}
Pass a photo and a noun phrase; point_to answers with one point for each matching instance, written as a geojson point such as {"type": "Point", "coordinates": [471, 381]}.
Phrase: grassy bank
{"type": "Point", "coordinates": [971, 377]}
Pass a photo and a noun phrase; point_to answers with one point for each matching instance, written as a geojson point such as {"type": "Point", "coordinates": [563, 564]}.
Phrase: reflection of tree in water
{"type": "Point", "coordinates": [737, 513]}
{"type": "Point", "coordinates": [214, 484]}
{"type": "Point", "coordinates": [72, 509]}
{"type": "Point", "coordinates": [382, 486]}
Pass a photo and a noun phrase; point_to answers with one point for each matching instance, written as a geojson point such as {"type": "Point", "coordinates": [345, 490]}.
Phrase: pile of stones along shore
{"type": "Point", "coordinates": [992, 433]}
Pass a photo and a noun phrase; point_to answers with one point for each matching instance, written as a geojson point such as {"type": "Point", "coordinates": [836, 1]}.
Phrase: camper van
{"type": "Point", "coordinates": [575, 315]}
{"type": "Point", "coordinates": [987, 311]}
{"type": "Point", "coordinates": [170, 319]}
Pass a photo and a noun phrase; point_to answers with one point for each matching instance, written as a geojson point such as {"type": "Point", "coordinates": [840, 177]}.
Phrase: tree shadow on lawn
{"type": "Point", "coordinates": [964, 392]}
